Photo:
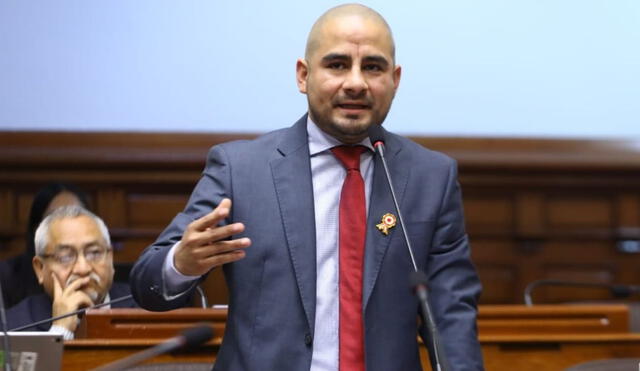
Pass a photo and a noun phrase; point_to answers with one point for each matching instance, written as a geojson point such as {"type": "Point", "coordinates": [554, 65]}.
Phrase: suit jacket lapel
{"type": "Point", "coordinates": [381, 203]}
{"type": "Point", "coordinates": [294, 190]}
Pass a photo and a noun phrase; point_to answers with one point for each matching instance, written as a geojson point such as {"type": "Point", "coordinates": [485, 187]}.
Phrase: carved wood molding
{"type": "Point", "coordinates": [161, 150]}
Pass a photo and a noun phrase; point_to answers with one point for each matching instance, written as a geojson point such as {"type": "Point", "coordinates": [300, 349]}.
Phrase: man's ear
{"type": "Point", "coordinates": [397, 73]}
{"type": "Point", "coordinates": [302, 73]}
{"type": "Point", "coordinates": [38, 268]}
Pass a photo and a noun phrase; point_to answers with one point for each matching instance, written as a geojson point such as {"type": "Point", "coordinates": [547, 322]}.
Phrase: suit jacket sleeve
{"type": "Point", "coordinates": [146, 276]}
{"type": "Point", "coordinates": [453, 283]}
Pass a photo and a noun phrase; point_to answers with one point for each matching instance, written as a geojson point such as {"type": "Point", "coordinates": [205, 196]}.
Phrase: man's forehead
{"type": "Point", "coordinates": [72, 222]}
{"type": "Point", "coordinates": [73, 229]}
{"type": "Point", "coordinates": [365, 36]}
{"type": "Point", "coordinates": [350, 30]}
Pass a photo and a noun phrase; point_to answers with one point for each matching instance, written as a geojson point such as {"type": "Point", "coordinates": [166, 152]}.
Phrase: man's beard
{"type": "Point", "coordinates": [93, 294]}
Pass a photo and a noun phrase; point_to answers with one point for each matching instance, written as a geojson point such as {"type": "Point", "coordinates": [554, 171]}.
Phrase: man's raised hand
{"type": "Point", "coordinates": [205, 245]}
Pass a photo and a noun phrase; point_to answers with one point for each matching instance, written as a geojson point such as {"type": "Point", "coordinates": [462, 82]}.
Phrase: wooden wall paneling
{"type": "Point", "coordinates": [8, 227]}
{"type": "Point", "coordinates": [628, 271]}
{"type": "Point", "coordinates": [488, 214]}
{"type": "Point", "coordinates": [493, 258]}
{"type": "Point", "coordinates": [7, 211]}
{"type": "Point", "coordinates": [628, 235]}
{"type": "Point", "coordinates": [529, 214]}
{"type": "Point", "coordinates": [579, 250]}
{"type": "Point", "coordinates": [499, 283]}
{"type": "Point", "coordinates": [215, 288]}
{"type": "Point", "coordinates": [111, 205]}
{"type": "Point", "coordinates": [24, 201]}
{"type": "Point", "coordinates": [596, 272]}
{"type": "Point", "coordinates": [628, 210]}
{"type": "Point", "coordinates": [153, 210]}
{"type": "Point", "coordinates": [535, 208]}
{"type": "Point", "coordinates": [584, 211]}
{"type": "Point", "coordinates": [16, 209]}
{"type": "Point", "coordinates": [528, 260]}
{"type": "Point", "coordinates": [530, 228]}
{"type": "Point", "coordinates": [127, 247]}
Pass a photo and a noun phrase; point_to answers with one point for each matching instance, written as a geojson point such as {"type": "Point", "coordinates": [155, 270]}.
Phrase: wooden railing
{"type": "Point", "coordinates": [548, 338]}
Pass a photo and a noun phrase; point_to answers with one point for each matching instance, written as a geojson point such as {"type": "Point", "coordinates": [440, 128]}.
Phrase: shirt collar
{"type": "Point", "coordinates": [319, 141]}
{"type": "Point", "coordinates": [106, 300]}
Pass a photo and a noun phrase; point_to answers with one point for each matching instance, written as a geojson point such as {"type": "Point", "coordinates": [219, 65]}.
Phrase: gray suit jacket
{"type": "Point", "coordinates": [272, 291]}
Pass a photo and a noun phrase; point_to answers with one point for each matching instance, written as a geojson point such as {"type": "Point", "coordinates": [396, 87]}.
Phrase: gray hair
{"type": "Point", "coordinates": [71, 211]}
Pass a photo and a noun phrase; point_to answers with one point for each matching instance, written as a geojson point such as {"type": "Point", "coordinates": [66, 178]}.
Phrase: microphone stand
{"type": "Point", "coordinates": [203, 297]}
{"type": "Point", "coordinates": [618, 291]}
{"type": "Point", "coordinates": [418, 278]}
{"type": "Point", "coordinates": [188, 338]}
{"type": "Point", "coordinates": [6, 345]}
{"type": "Point", "coordinates": [79, 311]}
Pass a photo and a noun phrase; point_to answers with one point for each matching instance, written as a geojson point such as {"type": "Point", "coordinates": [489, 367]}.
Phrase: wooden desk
{"type": "Point", "coordinates": [553, 337]}
{"type": "Point", "coordinates": [513, 337]}
{"type": "Point", "coordinates": [85, 354]}
{"type": "Point", "coordinates": [554, 352]}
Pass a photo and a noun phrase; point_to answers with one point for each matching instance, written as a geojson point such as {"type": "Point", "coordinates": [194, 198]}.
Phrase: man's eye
{"type": "Point", "coordinates": [337, 66]}
{"type": "Point", "coordinates": [372, 67]}
{"type": "Point", "coordinates": [93, 254]}
{"type": "Point", "coordinates": [65, 259]}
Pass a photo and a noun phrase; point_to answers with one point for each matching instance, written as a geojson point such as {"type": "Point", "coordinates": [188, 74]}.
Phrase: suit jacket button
{"type": "Point", "coordinates": [308, 339]}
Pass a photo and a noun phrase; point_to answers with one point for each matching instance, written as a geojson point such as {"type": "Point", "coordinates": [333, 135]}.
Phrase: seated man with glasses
{"type": "Point", "coordinates": [74, 264]}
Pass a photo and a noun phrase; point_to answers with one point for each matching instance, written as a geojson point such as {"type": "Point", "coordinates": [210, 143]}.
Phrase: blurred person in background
{"type": "Point", "coordinates": [74, 265]}
{"type": "Point", "coordinates": [16, 274]}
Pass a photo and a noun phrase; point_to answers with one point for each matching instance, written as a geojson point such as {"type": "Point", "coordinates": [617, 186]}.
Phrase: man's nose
{"type": "Point", "coordinates": [355, 83]}
{"type": "Point", "coordinates": [82, 266]}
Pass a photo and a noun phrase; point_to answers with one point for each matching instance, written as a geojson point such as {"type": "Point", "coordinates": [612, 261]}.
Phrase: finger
{"type": "Point", "coordinates": [220, 233]}
{"type": "Point", "coordinates": [57, 287]}
{"type": "Point", "coordinates": [214, 217]}
{"type": "Point", "coordinates": [221, 247]}
{"type": "Point", "coordinates": [226, 258]}
{"type": "Point", "coordinates": [211, 235]}
{"type": "Point", "coordinates": [79, 299]}
{"type": "Point", "coordinates": [76, 285]}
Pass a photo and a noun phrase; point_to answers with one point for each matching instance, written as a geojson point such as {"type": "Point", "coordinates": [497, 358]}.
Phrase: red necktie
{"type": "Point", "coordinates": [352, 238]}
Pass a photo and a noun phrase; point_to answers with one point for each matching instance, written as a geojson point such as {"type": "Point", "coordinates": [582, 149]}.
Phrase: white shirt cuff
{"type": "Point", "coordinates": [59, 330]}
{"type": "Point", "coordinates": [175, 284]}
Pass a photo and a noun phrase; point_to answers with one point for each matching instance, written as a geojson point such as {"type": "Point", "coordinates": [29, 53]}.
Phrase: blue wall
{"type": "Point", "coordinates": [560, 68]}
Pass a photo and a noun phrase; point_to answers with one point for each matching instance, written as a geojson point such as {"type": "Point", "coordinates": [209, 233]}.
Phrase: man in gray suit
{"type": "Point", "coordinates": [278, 244]}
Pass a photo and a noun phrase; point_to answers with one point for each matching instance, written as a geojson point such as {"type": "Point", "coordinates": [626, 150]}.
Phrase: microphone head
{"type": "Point", "coordinates": [196, 336]}
{"type": "Point", "coordinates": [376, 135]}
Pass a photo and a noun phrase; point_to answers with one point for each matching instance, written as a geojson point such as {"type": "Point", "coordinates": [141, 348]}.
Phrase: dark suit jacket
{"type": "Point", "coordinates": [18, 279]}
{"type": "Point", "coordinates": [38, 307]}
{"type": "Point", "coordinates": [273, 290]}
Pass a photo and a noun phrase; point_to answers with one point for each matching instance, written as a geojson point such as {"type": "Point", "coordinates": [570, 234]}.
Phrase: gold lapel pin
{"type": "Point", "coordinates": [388, 222]}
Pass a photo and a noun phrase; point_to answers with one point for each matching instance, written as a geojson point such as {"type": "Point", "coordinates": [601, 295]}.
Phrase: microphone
{"type": "Point", "coordinates": [191, 337]}
{"type": "Point", "coordinates": [417, 278]}
{"type": "Point", "coordinates": [617, 290]}
{"type": "Point", "coordinates": [377, 139]}
{"type": "Point", "coordinates": [74, 313]}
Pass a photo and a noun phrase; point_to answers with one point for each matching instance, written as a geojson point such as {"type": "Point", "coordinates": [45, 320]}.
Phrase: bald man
{"type": "Point", "coordinates": [303, 225]}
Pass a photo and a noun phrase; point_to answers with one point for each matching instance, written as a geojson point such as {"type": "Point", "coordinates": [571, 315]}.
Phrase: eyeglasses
{"type": "Point", "coordinates": [67, 257]}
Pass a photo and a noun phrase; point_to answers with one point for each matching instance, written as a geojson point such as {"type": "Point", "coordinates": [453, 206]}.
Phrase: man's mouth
{"type": "Point", "coordinates": [353, 106]}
